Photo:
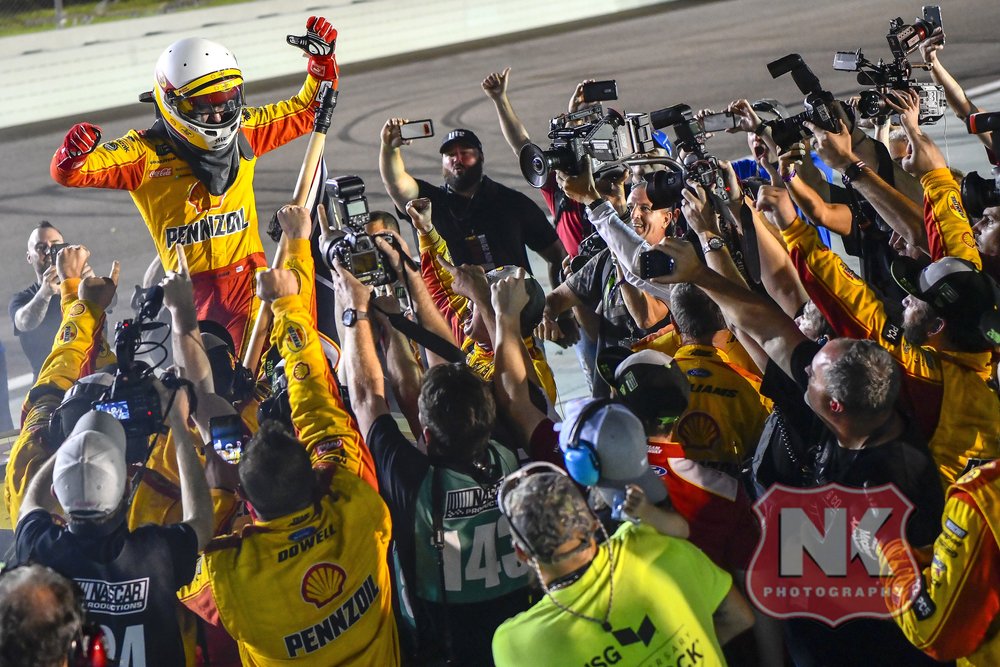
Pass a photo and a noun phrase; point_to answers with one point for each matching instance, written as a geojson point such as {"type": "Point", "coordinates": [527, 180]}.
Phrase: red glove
{"type": "Point", "coordinates": [81, 140]}
{"type": "Point", "coordinates": [319, 42]}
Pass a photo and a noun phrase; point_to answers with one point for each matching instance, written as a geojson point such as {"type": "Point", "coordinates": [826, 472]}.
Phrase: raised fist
{"type": "Point", "coordinates": [81, 139]}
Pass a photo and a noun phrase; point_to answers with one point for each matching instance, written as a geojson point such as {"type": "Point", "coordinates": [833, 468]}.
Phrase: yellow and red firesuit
{"type": "Point", "coordinates": [219, 233]}
{"type": "Point", "coordinates": [326, 599]}
{"type": "Point", "coordinates": [945, 392]}
{"type": "Point", "coordinates": [950, 611]}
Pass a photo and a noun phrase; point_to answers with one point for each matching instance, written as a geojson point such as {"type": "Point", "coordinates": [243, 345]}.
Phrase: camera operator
{"type": "Point", "coordinates": [33, 310]}
{"type": "Point", "coordinates": [41, 618]}
{"type": "Point", "coordinates": [73, 353]}
{"type": "Point", "coordinates": [482, 221]}
{"type": "Point", "coordinates": [598, 594]}
{"type": "Point", "coordinates": [130, 578]}
{"type": "Point", "coordinates": [946, 360]}
{"type": "Point", "coordinates": [318, 523]}
{"type": "Point", "coordinates": [841, 397]}
{"type": "Point", "coordinates": [625, 312]}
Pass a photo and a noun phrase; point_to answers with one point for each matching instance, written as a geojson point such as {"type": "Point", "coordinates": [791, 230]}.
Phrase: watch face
{"type": "Point", "coordinates": [715, 243]}
{"type": "Point", "coordinates": [350, 317]}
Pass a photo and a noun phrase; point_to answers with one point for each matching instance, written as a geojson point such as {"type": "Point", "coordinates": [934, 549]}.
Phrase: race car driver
{"type": "Point", "coordinates": [190, 174]}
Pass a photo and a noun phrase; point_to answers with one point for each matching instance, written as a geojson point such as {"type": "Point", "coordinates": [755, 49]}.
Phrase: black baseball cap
{"type": "Point", "coordinates": [464, 137]}
{"type": "Point", "coordinates": [954, 287]}
{"type": "Point", "coordinates": [649, 382]}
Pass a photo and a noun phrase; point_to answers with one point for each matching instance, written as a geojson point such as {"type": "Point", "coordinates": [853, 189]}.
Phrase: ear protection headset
{"type": "Point", "coordinates": [582, 461]}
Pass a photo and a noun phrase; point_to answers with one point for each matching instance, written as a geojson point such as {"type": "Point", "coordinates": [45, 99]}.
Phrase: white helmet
{"type": "Point", "coordinates": [199, 92]}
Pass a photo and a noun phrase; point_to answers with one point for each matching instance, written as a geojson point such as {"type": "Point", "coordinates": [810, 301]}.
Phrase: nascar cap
{"type": "Point", "coordinates": [89, 475]}
{"type": "Point", "coordinates": [954, 287]}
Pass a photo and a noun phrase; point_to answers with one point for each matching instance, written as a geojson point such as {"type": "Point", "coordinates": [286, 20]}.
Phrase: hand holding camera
{"type": "Point", "coordinates": [419, 211]}
{"type": "Point", "coordinates": [834, 148]}
{"type": "Point", "coordinates": [394, 248]}
{"type": "Point", "coordinates": [701, 216]}
{"type": "Point", "coordinates": [100, 291]}
{"type": "Point", "coordinates": [684, 264]}
{"type": "Point", "coordinates": [276, 283]}
{"type": "Point", "coordinates": [351, 292]}
{"type": "Point", "coordinates": [580, 187]}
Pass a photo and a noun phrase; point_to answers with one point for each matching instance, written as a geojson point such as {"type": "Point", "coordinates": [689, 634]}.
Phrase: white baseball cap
{"type": "Point", "coordinates": [90, 471]}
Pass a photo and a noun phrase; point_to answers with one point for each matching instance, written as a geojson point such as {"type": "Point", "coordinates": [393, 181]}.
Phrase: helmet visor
{"type": "Point", "coordinates": [211, 109]}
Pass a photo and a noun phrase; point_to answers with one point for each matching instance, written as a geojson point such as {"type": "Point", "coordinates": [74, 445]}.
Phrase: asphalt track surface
{"type": "Point", "coordinates": [700, 53]}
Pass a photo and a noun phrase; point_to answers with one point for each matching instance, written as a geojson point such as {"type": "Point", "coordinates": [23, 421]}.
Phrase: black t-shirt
{"type": "Point", "coordinates": [401, 469]}
{"type": "Point", "coordinates": [129, 581]}
{"type": "Point", "coordinates": [491, 229]}
{"type": "Point", "coordinates": [36, 343]}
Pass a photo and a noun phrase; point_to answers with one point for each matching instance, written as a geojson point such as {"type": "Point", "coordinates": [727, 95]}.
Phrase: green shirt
{"type": "Point", "coordinates": [666, 591]}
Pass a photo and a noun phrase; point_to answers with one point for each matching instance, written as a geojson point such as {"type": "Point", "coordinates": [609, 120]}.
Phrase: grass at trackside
{"type": "Point", "coordinates": [16, 23]}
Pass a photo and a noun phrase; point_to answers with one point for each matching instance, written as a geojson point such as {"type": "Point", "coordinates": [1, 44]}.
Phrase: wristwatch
{"type": "Point", "coordinates": [352, 315]}
{"type": "Point", "coordinates": [714, 243]}
{"type": "Point", "coordinates": [853, 172]}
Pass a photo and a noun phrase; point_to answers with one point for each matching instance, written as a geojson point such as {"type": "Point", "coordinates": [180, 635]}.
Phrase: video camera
{"type": "Point", "coordinates": [698, 164]}
{"type": "Point", "coordinates": [347, 207]}
{"type": "Point", "coordinates": [133, 398]}
{"type": "Point", "coordinates": [607, 138]}
{"type": "Point", "coordinates": [820, 106]}
{"type": "Point", "coordinates": [896, 75]}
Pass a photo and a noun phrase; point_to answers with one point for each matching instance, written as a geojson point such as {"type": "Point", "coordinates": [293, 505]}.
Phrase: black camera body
{"type": "Point", "coordinates": [133, 399]}
{"type": "Point", "coordinates": [980, 193]}
{"type": "Point", "coordinates": [607, 138]}
{"type": "Point", "coordinates": [347, 206]}
{"type": "Point", "coordinates": [54, 252]}
{"type": "Point", "coordinates": [358, 253]}
{"type": "Point", "coordinates": [653, 264]}
{"type": "Point", "coordinates": [699, 165]}
{"type": "Point", "coordinates": [819, 104]}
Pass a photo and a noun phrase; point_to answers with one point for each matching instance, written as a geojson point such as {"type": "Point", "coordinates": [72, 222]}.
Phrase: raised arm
{"type": "Point", "coordinates": [196, 499]}
{"type": "Point", "coordinates": [29, 316]}
{"type": "Point", "coordinates": [954, 94]}
{"type": "Point", "coordinates": [899, 211]}
{"type": "Point", "coordinates": [495, 87]}
{"type": "Point", "coordinates": [324, 426]}
{"type": "Point", "coordinates": [398, 183]}
{"type": "Point", "coordinates": [835, 217]}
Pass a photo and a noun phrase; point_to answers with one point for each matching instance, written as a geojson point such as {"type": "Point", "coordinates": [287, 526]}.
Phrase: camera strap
{"type": "Point", "coordinates": [424, 337]}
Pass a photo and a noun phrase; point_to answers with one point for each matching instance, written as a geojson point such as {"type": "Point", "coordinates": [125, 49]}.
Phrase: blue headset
{"type": "Point", "coordinates": [581, 459]}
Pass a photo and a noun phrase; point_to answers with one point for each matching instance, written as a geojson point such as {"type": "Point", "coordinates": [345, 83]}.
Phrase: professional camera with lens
{"type": "Point", "coordinates": [699, 166]}
{"type": "Point", "coordinates": [896, 75]}
{"type": "Point", "coordinates": [132, 398]}
{"type": "Point", "coordinates": [347, 206]}
{"type": "Point", "coordinates": [607, 138]}
{"type": "Point", "coordinates": [819, 104]}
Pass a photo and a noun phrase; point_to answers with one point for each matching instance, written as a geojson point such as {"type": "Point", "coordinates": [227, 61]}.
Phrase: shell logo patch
{"type": "Point", "coordinates": [68, 333]}
{"type": "Point", "coordinates": [77, 309]}
{"type": "Point", "coordinates": [296, 336]}
{"type": "Point", "coordinates": [698, 430]}
{"type": "Point", "coordinates": [301, 371]}
{"type": "Point", "coordinates": [322, 583]}
{"type": "Point", "coordinates": [968, 239]}
{"type": "Point", "coordinates": [956, 206]}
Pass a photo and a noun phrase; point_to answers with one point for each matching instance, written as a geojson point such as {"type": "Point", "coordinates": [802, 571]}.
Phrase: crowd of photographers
{"type": "Point", "coordinates": [411, 494]}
